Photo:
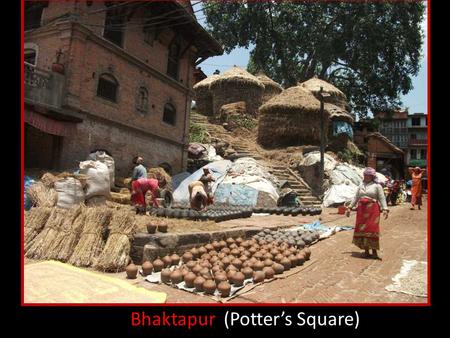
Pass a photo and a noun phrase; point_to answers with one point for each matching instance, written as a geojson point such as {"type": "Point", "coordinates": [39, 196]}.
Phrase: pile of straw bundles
{"type": "Point", "coordinates": [35, 220]}
{"type": "Point", "coordinates": [164, 179]}
{"type": "Point", "coordinates": [91, 242]}
{"type": "Point", "coordinates": [115, 255]}
{"type": "Point", "coordinates": [121, 198]}
{"type": "Point", "coordinates": [42, 196]}
{"type": "Point", "coordinates": [68, 235]}
{"type": "Point", "coordinates": [38, 247]}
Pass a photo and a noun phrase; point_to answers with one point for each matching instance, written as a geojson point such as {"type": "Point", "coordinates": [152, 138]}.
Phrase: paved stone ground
{"type": "Point", "coordinates": [336, 273]}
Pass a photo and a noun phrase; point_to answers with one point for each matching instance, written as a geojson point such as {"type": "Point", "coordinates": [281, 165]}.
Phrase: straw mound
{"type": "Point", "coordinates": [290, 101]}
{"type": "Point", "coordinates": [41, 196]}
{"type": "Point", "coordinates": [91, 242]}
{"type": "Point", "coordinates": [269, 83]}
{"type": "Point", "coordinates": [206, 83]}
{"type": "Point", "coordinates": [314, 84]}
{"type": "Point", "coordinates": [35, 220]}
{"type": "Point", "coordinates": [236, 76]}
{"type": "Point", "coordinates": [161, 175]}
{"type": "Point", "coordinates": [337, 113]}
{"type": "Point", "coordinates": [115, 255]}
{"type": "Point", "coordinates": [38, 247]}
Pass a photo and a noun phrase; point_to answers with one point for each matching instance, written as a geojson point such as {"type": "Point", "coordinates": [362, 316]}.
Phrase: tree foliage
{"type": "Point", "coordinates": [368, 50]}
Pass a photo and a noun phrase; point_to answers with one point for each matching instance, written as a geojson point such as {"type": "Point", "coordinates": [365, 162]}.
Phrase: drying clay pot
{"type": "Point", "coordinates": [243, 258]}
{"type": "Point", "coordinates": [190, 265]}
{"type": "Point", "coordinates": [230, 275]}
{"type": "Point", "coordinates": [202, 250]}
{"type": "Point", "coordinates": [238, 278]}
{"type": "Point", "coordinates": [223, 244]}
{"type": "Point", "coordinates": [167, 261]}
{"type": "Point", "coordinates": [248, 272]}
{"type": "Point", "coordinates": [226, 251]}
{"type": "Point", "coordinates": [147, 268]}
{"type": "Point", "coordinates": [198, 283]}
{"type": "Point", "coordinates": [206, 264]}
{"type": "Point", "coordinates": [197, 268]}
{"type": "Point", "coordinates": [258, 266]}
{"type": "Point", "coordinates": [286, 263]}
{"type": "Point", "coordinates": [269, 272]}
{"type": "Point", "coordinates": [224, 288]}
{"type": "Point", "coordinates": [307, 253]}
{"type": "Point", "coordinates": [151, 228]}
{"type": "Point", "coordinates": [278, 268]}
{"type": "Point", "coordinates": [258, 276]}
{"type": "Point", "coordinates": [237, 263]}
{"type": "Point", "coordinates": [294, 261]}
{"type": "Point", "coordinates": [216, 245]}
{"type": "Point", "coordinates": [209, 287]}
{"type": "Point", "coordinates": [195, 253]}
{"type": "Point", "coordinates": [220, 277]}
{"type": "Point", "coordinates": [158, 265]}
{"type": "Point", "coordinates": [300, 258]}
{"type": "Point", "coordinates": [176, 277]}
{"type": "Point", "coordinates": [230, 241]}
{"type": "Point", "coordinates": [189, 279]}
{"type": "Point", "coordinates": [226, 262]}
{"type": "Point", "coordinates": [175, 259]}
{"type": "Point", "coordinates": [187, 256]}
{"type": "Point", "coordinates": [162, 227]}
{"type": "Point", "coordinates": [131, 271]}
{"type": "Point", "coordinates": [165, 275]}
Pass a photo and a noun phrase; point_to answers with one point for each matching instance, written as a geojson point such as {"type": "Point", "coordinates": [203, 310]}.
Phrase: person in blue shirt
{"type": "Point", "coordinates": [139, 170]}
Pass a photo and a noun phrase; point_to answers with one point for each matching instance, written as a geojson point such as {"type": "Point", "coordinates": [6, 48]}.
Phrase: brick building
{"type": "Point", "coordinates": [418, 140]}
{"type": "Point", "coordinates": [116, 76]}
{"type": "Point", "coordinates": [382, 155]}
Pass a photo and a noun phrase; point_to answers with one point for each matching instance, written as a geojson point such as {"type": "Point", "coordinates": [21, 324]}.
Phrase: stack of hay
{"type": "Point", "coordinates": [291, 118]}
{"type": "Point", "coordinates": [203, 95]}
{"type": "Point", "coordinates": [35, 220]}
{"type": "Point", "coordinates": [236, 85]}
{"type": "Point", "coordinates": [271, 88]}
{"type": "Point", "coordinates": [164, 179]}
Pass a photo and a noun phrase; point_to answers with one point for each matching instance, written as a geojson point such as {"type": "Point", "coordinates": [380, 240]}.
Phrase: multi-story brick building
{"type": "Point", "coordinates": [111, 75]}
{"type": "Point", "coordinates": [394, 127]}
{"type": "Point", "coordinates": [418, 140]}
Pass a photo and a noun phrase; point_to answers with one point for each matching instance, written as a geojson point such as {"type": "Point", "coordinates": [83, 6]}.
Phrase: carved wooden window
{"type": "Point", "coordinates": [107, 87]}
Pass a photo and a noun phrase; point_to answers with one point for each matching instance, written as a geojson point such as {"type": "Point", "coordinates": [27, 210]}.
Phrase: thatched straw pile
{"type": "Point", "coordinates": [271, 88]}
{"type": "Point", "coordinates": [336, 97]}
{"type": "Point", "coordinates": [35, 220]}
{"type": "Point", "coordinates": [164, 179]}
{"type": "Point", "coordinates": [38, 247]}
{"type": "Point", "coordinates": [291, 118]}
{"type": "Point", "coordinates": [203, 95]}
{"type": "Point", "coordinates": [41, 195]}
{"type": "Point", "coordinates": [116, 254]}
{"type": "Point", "coordinates": [338, 114]}
{"type": "Point", "coordinates": [67, 235]}
{"type": "Point", "coordinates": [236, 85]}
{"type": "Point", "coordinates": [91, 242]}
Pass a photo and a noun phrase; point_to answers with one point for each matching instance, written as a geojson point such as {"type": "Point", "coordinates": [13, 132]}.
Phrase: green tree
{"type": "Point", "coordinates": [368, 50]}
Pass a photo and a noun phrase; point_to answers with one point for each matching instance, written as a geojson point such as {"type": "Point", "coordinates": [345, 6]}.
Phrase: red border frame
{"type": "Point", "coordinates": [220, 304]}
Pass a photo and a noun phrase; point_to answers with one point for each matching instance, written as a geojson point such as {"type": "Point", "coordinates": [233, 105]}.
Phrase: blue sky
{"type": "Point", "coordinates": [415, 100]}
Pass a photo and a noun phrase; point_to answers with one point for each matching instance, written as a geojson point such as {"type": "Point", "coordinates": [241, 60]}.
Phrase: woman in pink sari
{"type": "Point", "coordinates": [370, 201]}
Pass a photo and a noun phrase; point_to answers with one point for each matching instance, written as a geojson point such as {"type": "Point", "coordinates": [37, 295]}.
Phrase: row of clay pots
{"type": "Point", "coordinates": [152, 228]}
{"type": "Point", "coordinates": [218, 216]}
{"type": "Point", "coordinates": [286, 211]}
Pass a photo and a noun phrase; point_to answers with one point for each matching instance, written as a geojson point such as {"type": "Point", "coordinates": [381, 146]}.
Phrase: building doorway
{"type": "Point", "coordinates": [42, 150]}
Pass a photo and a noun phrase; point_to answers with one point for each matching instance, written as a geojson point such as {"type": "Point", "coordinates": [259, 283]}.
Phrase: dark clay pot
{"type": "Point", "coordinates": [131, 271]}
{"type": "Point", "coordinates": [151, 228]}
{"type": "Point", "coordinates": [162, 228]}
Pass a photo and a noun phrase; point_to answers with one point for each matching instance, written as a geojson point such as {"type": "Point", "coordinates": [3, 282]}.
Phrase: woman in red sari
{"type": "Point", "coordinates": [370, 200]}
{"type": "Point", "coordinates": [416, 189]}
{"type": "Point", "coordinates": [139, 189]}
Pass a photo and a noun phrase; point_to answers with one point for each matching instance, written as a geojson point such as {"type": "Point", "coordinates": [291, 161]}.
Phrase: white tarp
{"type": "Point", "coordinates": [339, 193]}
{"type": "Point", "coordinates": [97, 183]}
{"type": "Point", "coordinates": [70, 192]}
{"type": "Point", "coordinates": [106, 159]}
{"type": "Point", "coordinates": [211, 154]}
{"type": "Point", "coordinates": [314, 157]}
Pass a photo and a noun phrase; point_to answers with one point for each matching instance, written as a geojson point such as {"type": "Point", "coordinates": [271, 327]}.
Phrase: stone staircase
{"type": "Point", "coordinates": [282, 173]}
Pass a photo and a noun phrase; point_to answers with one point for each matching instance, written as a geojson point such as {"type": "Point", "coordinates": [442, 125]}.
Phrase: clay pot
{"type": "Point", "coordinates": [167, 261]}
{"type": "Point", "coordinates": [286, 263]}
{"type": "Point", "coordinates": [224, 288]}
{"type": "Point", "coordinates": [195, 253]}
{"type": "Point", "coordinates": [197, 268]}
{"type": "Point", "coordinates": [226, 261]}
{"type": "Point", "coordinates": [206, 257]}
{"type": "Point", "coordinates": [58, 68]}
{"type": "Point", "coordinates": [247, 253]}
{"type": "Point", "coordinates": [231, 267]}
{"type": "Point", "coordinates": [187, 256]}
{"type": "Point", "coordinates": [207, 275]}
{"type": "Point", "coordinates": [300, 259]}
{"type": "Point", "coordinates": [198, 283]}
{"type": "Point", "coordinates": [220, 277]}
{"type": "Point", "coordinates": [206, 264]}
{"type": "Point", "coordinates": [246, 244]}
{"type": "Point", "coordinates": [262, 242]}
{"type": "Point", "coordinates": [214, 259]}
{"type": "Point", "coordinates": [209, 247]}
{"type": "Point", "coordinates": [243, 258]}
{"type": "Point", "coordinates": [279, 257]}
{"type": "Point", "coordinates": [237, 263]}
{"type": "Point", "coordinates": [209, 287]}
{"type": "Point", "coordinates": [246, 264]}
{"type": "Point", "coordinates": [274, 252]}
{"type": "Point", "coordinates": [252, 250]}
{"type": "Point", "coordinates": [230, 241]}
{"type": "Point", "coordinates": [131, 271]}
{"type": "Point", "coordinates": [278, 268]}
{"type": "Point", "coordinates": [268, 262]}
{"type": "Point", "coordinates": [216, 268]}
{"type": "Point", "coordinates": [269, 272]}
{"type": "Point", "coordinates": [162, 227]}
{"type": "Point", "coordinates": [286, 253]}
{"type": "Point", "coordinates": [158, 265]}
{"type": "Point", "coordinates": [233, 247]}
{"type": "Point", "coordinates": [165, 275]}
{"type": "Point", "coordinates": [175, 259]}
{"type": "Point", "coordinates": [258, 255]}
{"type": "Point", "coordinates": [216, 245]}
{"type": "Point", "coordinates": [307, 252]}
{"type": "Point", "coordinates": [190, 265]}
{"type": "Point", "coordinates": [221, 255]}
{"type": "Point", "coordinates": [189, 279]}
{"type": "Point", "coordinates": [268, 256]}
{"type": "Point", "coordinates": [231, 257]}
{"type": "Point", "coordinates": [176, 277]}
{"type": "Point", "coordinates": [241, 249]}
{"type": "Point", "coordinates": [230, 275]}
{"type": "Point", "coordinates": [294, 261]}
{"type": "Point", "coordinates": [263, 251]}
{"type": "Point", "coordinates": [223, 244]}
{"type": "Point", "coordinates": [202, 250]}
{"type": "Point", "coordinates": [147, 268]}
{"type": "Point", "coordinates": [258, 266]}
{"type": "Point", "coordinates": [258, 276]}
{"type": "Point", "coordinates": [239, 240]}
{"type": "Point", "coordinates": [151, 228]}
{"type": "Point", "coordinates": [226, 251]}
{"type": "Point", "coordinates": [238, 278]}
{"type": "Point", "coordinates": [213, 253]}
{"type": "Point", "coordinates": [292, 250]}
{"type": "Point", "coordinates": [204, 271]}
{"type": "Point", "coordinates": [248, 272]}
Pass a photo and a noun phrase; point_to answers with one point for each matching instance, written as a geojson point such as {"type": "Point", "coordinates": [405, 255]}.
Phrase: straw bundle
{"type": "Point", "coordinates": [237, 85]}
{"type": "Point", "coordinates": [41, 196]}
{"type": "Point", "coordinates": [121, 198]}
{"type": "Point", "coordinates": [203, 95]}
{"type": "Point", "coordinates": [116, 254]}
{"type": "Point", "coordinates": [67, 235]}
{"type": "Point", "coordinates": [271, 88]}
{"type": "Point", "coordinates": [38, 247]}
{"type": "Point", "coordinates": [35, 220]}
{"type": "Point", "coordinates": [91, 242]}
{"type": "Point", "coordinates": [48, 179]}
{"type": "Point", "coordinates": [338, 114]}
{"type": "Point", "coordinates": [164, 179]}
{"type": "Point", "coordinates": [290, 118]}
{"type": "Point", "coordinates": [337, 97]}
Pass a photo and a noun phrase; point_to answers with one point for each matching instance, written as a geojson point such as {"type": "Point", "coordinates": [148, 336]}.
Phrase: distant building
{"type": "Point", "coordinates": [383, 155]}
{"type": "Point", "coordinates": [394, 127]}
{"type": "Point", "coordinates": [417, 155]}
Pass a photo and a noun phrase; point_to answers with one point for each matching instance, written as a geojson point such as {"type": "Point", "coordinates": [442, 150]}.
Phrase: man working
{"type": "Point", "coordinates": [197, 195]}
{"type": "Point", "coordinates": [139, 170]}
{"type": "Point", "coordinates": [206, 179]}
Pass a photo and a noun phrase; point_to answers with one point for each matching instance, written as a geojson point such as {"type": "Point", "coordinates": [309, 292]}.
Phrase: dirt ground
{"type": "Point", "coordinates": [337, 272]}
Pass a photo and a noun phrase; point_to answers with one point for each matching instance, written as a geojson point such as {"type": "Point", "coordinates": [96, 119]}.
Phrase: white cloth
{"type": "Point", "coordinates": [371, 190]}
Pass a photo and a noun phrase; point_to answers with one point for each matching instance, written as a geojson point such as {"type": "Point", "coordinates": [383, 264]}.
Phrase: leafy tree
{"type": "Point", "coordinates": [368, 50]}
